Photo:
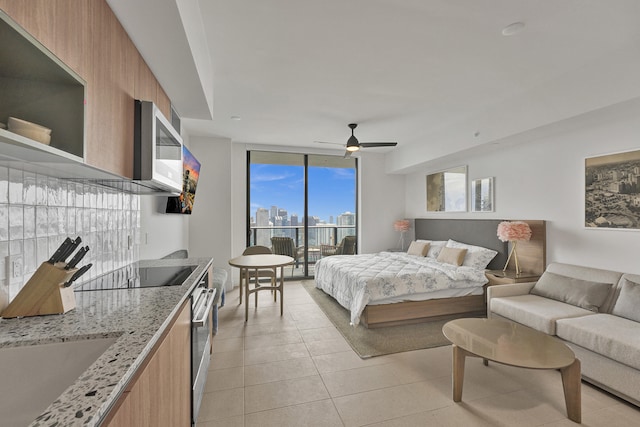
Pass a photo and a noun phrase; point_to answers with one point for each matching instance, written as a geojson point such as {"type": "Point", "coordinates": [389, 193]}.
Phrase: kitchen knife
{"type": "Point", "coordinates": [77, 274]}
{"type": "Point", "coordinates": [70, 249]}
{"type": "Point", "coordinates": [60, 251]}
{"type": "Point", "coordinates": [76, 258]}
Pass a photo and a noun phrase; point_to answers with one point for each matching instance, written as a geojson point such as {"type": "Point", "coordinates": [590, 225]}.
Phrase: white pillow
{"type": "Point", "coordinates": [435, 246]}
{"type": "Point", "coordinates": [476, 257]}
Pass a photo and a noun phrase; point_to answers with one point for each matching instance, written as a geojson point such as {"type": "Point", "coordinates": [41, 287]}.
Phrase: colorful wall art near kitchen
{"type": "Point", "coordinates": [191, 172]}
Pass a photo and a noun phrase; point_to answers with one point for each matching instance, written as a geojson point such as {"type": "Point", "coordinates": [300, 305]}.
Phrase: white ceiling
{"type": "Point", "coordinates": [437, 76]}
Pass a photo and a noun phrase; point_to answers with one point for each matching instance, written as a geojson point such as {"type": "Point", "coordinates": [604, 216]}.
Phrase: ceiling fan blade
{"type": "Point", "coordinates": [332, 143]}
{"type": "Point", "coordinates": [378, 144]}
{"type": "Point", "coordinates": [354, 145]}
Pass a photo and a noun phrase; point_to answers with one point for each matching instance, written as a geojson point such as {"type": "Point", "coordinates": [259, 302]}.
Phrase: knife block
{"type": "Point", "coordinates": [44, 293]}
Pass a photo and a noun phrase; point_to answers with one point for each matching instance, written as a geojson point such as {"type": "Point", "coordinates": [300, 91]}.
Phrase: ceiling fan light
{"type": "Point", "coordinates": [352, 143]}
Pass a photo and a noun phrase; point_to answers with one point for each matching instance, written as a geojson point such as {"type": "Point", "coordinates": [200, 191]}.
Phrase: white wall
{"type": "Point", "coordinates": [543, 178]}
{"type": "Point", "coordinates": [382, 201]}
{"type": "Point", "coordinates": [161, 233]}
{"type": "Point", "coordinates": [210, 233]}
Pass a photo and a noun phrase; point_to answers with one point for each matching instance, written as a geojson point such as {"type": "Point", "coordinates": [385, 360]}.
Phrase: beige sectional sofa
{"type": "Point", "coordinates": [596, 312]}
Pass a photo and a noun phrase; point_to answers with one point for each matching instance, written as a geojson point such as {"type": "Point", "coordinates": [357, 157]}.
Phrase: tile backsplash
{"type": "Point", "coordinates": [38, 212]}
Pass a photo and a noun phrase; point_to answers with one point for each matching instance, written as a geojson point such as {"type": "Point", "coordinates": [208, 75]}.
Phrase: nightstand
{"type": "Point", "coordinates": [499, 277]}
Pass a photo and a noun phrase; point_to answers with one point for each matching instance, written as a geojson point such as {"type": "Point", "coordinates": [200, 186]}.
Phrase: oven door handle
{"type": "Point", "coordinates": [200, 316]}
{"type": "Point", "coordinates": [199, 300]}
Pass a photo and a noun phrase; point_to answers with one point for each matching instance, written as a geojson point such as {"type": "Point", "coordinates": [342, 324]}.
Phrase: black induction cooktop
{"type": "Point", "coordinates": [134, 276]}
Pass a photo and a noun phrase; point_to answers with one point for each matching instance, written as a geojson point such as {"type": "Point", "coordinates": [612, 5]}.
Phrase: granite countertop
{"type": "Point", "coordinates": [136, 317]}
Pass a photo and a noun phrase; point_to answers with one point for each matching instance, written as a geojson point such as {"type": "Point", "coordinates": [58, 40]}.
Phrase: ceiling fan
{"type": "Point", "coordinates": [354, 145]}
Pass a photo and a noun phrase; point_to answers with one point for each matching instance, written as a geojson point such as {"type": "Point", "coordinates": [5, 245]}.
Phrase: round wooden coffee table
{"type": "Point", "coordinates": [515, 345]}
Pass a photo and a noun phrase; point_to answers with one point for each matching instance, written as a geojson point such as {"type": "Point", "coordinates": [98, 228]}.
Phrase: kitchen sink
{"type": "Point", "coordinates": [34, 376]}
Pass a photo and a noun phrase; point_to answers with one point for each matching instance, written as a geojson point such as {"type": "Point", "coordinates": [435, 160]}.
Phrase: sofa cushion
{"type": "Point", "coordinates": [591, 274]}
{"type": "Point", "coordinates": [628, 302]}
{"type": "Point", "coordinates": [534, 311]}
{"type": "Point", "coordinates": [614, 337]}
{"type": "Point", "coordinates": [581, 293]}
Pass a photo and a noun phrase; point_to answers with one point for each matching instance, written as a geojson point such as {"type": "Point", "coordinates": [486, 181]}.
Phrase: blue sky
{"type": "Point", "coordinates": [331, 190]}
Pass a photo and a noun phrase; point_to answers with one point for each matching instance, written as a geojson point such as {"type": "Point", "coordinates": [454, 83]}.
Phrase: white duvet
{"type": "Point", "coordinates": [356, 280]}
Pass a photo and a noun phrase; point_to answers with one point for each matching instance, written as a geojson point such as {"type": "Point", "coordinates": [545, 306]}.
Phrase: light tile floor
{"type": "Point", "coordinates": [297, 370]}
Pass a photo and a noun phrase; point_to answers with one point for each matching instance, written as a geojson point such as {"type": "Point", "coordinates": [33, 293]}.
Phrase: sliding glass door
{"type": "Point", "coordinates": [301, 205]}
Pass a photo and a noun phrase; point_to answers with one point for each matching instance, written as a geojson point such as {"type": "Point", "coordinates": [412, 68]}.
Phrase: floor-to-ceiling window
{"type": "Point", "coordinates": [310, 199]}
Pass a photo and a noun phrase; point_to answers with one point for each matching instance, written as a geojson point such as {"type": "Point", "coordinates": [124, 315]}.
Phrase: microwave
{"type": "Point", "coordinates": [157, 150]}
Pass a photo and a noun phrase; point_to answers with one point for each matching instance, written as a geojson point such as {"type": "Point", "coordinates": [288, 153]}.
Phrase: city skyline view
{"type": "Point", "coordinates": [331, 190]}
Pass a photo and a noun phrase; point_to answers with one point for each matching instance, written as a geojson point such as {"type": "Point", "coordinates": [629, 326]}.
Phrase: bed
{"type": "Point", "coordinates": [390, 288]}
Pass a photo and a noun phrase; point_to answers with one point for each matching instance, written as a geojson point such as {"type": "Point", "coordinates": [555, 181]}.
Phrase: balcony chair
{"type": "Point", "coordinates": [286, 246]}
{"type": "Point", "coordinates": [270, 273]}
{"type": "Point", "coordinates": [347, 246]}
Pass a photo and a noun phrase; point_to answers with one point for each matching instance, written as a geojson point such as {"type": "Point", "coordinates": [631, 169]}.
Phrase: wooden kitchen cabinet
{"type": "Point", "coordinates": [59, 25]}
{"type": "Point", "coordinates": [87, 37]}
{"type": "Point", "coordinates": [110, 98]}
{"type": "Point", "coordinates": [38, 87]}
{"type": "Point", "coordinates": [146, 88]}
{"type": "Point", "coordinates": [160, 394]}
{"type": "Point", "coordinates": [164, 103]}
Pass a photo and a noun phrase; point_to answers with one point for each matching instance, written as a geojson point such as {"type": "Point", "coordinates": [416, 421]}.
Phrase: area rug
{"type": "Point", "coordinates": [380, 341]}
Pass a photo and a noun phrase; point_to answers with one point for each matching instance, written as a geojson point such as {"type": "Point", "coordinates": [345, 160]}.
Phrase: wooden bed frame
{"type": "Point", "coordinates": [531, 255]}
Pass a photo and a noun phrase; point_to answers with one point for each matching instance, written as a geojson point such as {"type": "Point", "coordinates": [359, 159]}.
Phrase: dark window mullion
{"type": "Point", "coordinates": [305, 236]}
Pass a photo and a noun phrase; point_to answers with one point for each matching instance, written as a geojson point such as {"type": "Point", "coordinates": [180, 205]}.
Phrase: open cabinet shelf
{"type": "Point", "coordinates": [36, 86]}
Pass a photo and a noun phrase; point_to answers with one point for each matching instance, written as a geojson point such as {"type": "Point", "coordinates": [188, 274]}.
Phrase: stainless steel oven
{"type": "Point", "coordinates": [202, 301]}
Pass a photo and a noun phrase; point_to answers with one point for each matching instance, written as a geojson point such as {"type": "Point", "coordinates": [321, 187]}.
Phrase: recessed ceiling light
{"type": "Point", "coordinates": [235, 117]}
{"type": "Point", "coordinates": [512, 29]}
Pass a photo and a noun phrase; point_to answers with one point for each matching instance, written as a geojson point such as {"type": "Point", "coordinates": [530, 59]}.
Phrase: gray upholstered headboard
{"type": "Point", "coordinates": [479, 232]}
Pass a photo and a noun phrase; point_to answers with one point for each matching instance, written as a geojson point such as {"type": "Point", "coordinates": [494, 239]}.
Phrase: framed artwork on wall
{"type": "Point", "coordinates": [482, 199]}
{"type": "Point", "coordinates": [447, 190]}
{"type": "Point", "coordinates": [612, 191]}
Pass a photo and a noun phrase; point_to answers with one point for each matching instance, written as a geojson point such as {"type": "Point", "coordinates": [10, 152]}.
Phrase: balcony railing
{"type": "Point", "coordinates": [318, 234]}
